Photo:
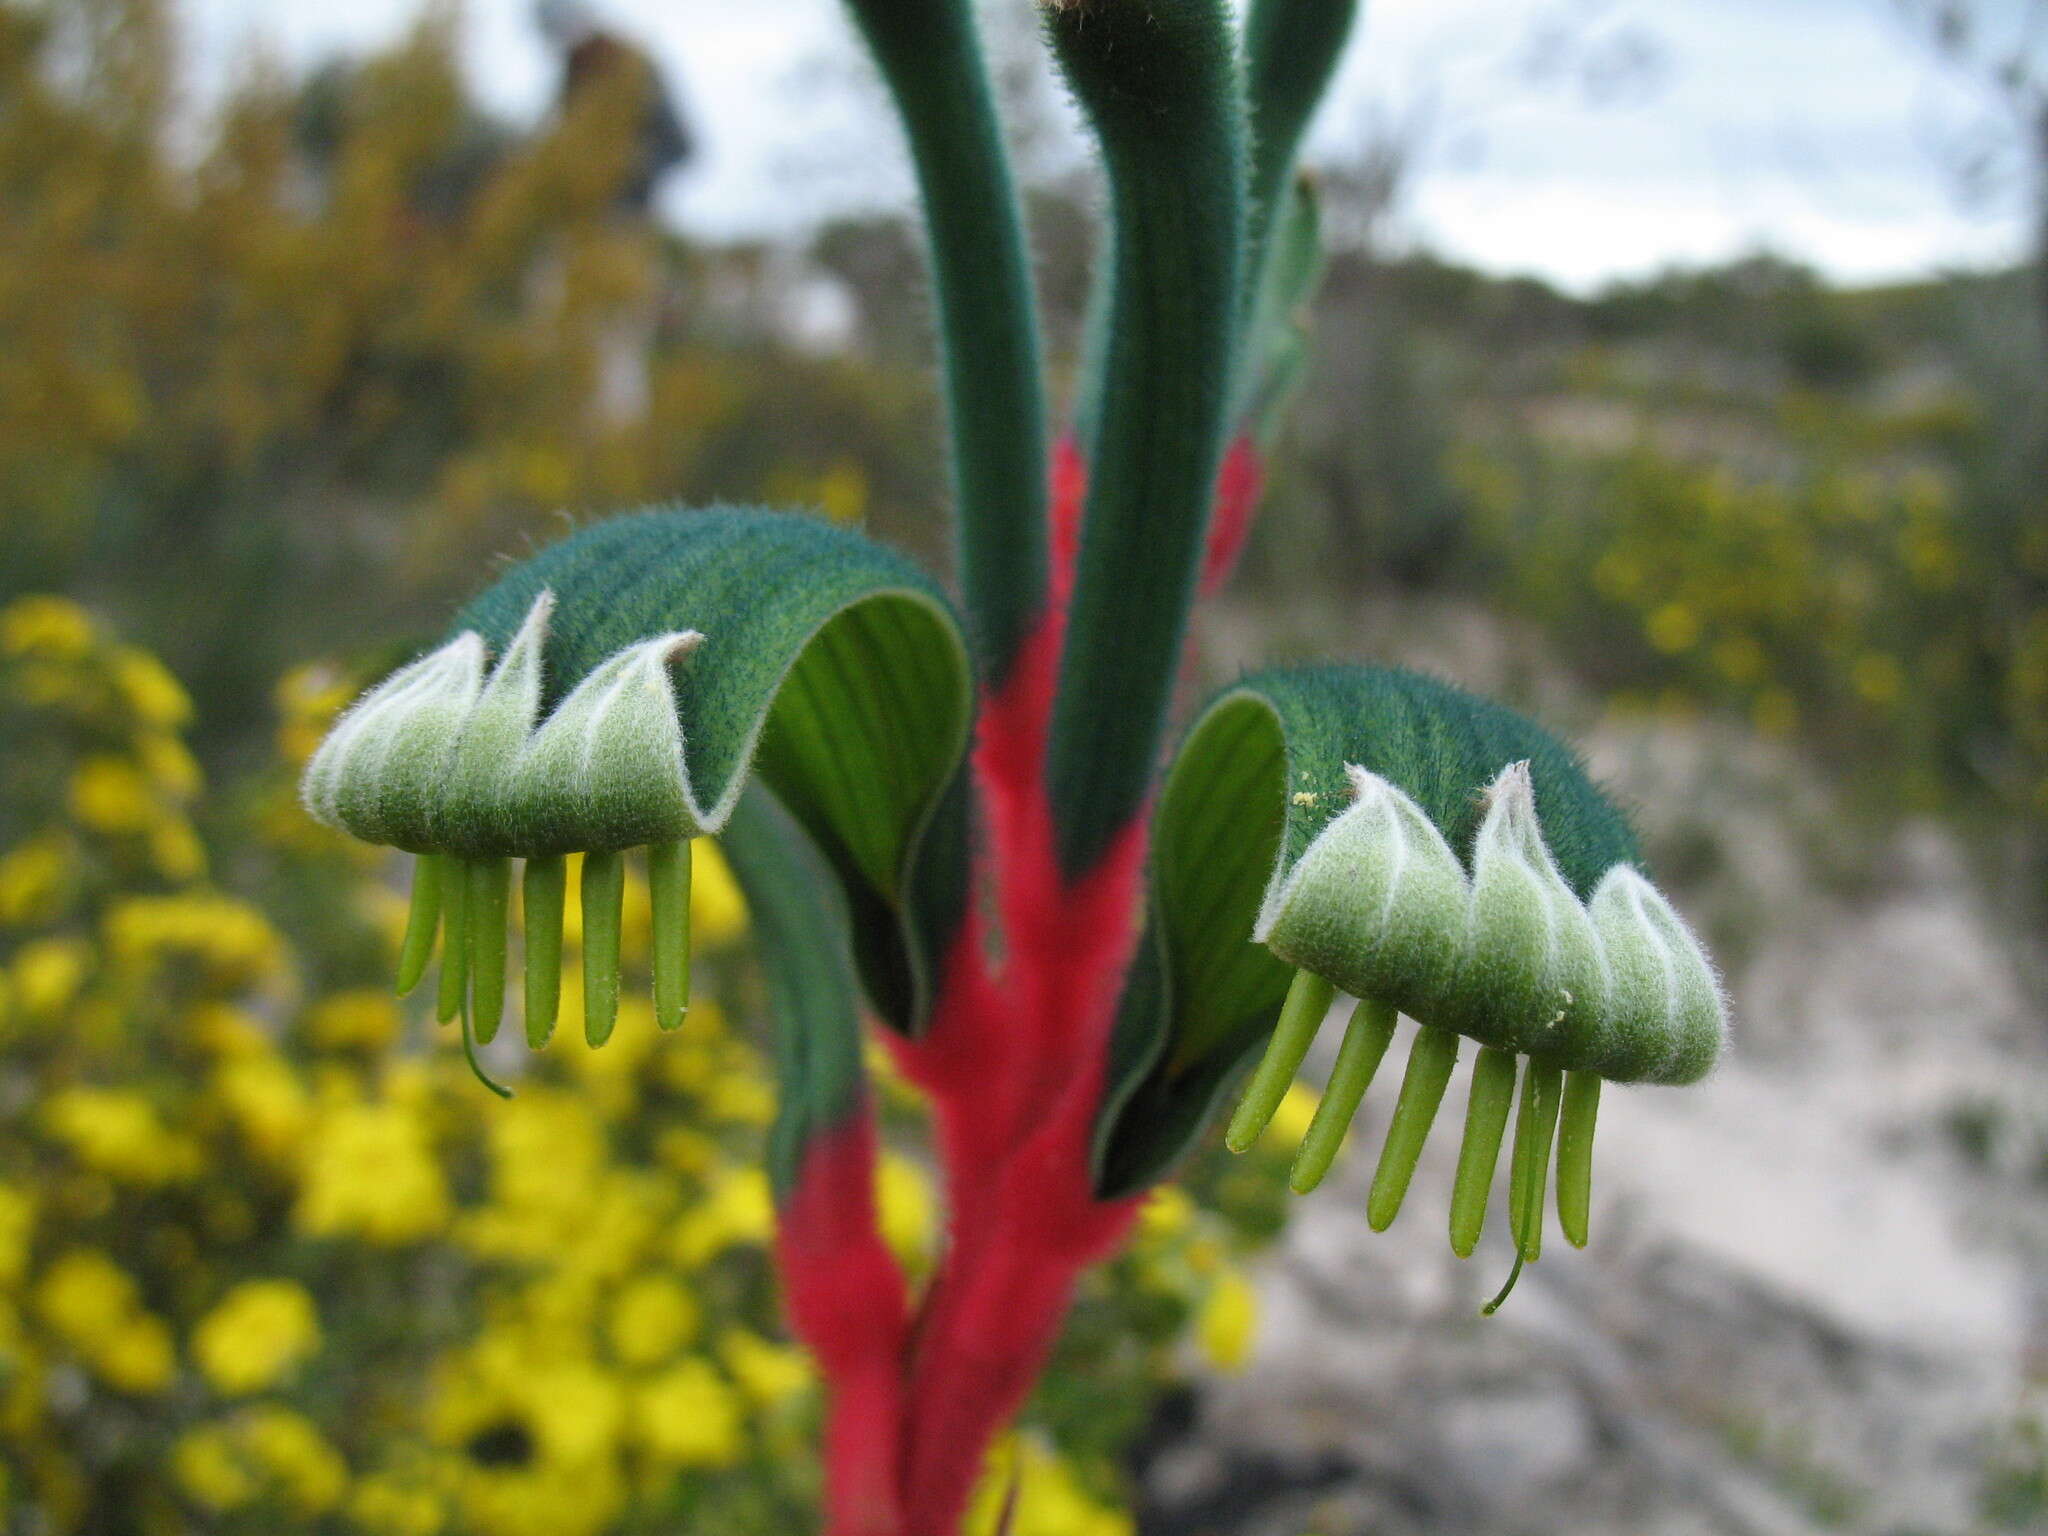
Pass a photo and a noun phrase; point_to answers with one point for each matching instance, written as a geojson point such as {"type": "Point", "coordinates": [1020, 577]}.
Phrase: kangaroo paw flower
{"type": "Point", "coordinates": [1405, 861]}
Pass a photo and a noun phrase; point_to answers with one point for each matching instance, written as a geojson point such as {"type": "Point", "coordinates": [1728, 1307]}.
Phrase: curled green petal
{"type": "Point", "coordinates": [1668, 1020]}
{"type": "Point", "coordinates": [422, 922]}
{"type": "Point", "coordinates": [1308, 1000]}
{"type": "Point", "coordinates": [604, 892]}
{"type": "Point", "coordinates": [545, 889]}
{"type": "Point", "coordinates": [1377, 902]}
{"type": "Point", "coordinates": [1575, 1155]}
{"type": "Point", "coordinates": [668, 886]}
{"type": "Point", "coordinates": [1486, 1122]}
{"type": "Point", "coordinates": [1533, 978]}
{"type": "Point", "coordinates": [1430, 1061]}
{"type": "Point", "coordinates": [453, 996]}
{"type": "Point", "coordinates": [1365, 1041]}
{"type": "Point", "coordinates": [490, 883]}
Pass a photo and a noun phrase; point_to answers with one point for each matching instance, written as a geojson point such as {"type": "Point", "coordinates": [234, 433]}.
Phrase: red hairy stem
{"type": "Point", "coordinates": [1013, 1060]}
{"type": "Point", "coordinates": [847, 1302]}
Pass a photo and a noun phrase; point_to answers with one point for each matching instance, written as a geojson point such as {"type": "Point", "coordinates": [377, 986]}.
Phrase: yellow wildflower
{"type": "Point", "coordinates": [1672, 628]}
{"type": "Point", "coordinates": [175, 850]}
{"type": "Point", "coordinates": [136, 1356]}
{"type": "Point", "coordinates": [169, 764]}
{"type": "Point", "coordinates": [305, 1469]}
{"type": "Point", "coordinates": [1291, 1121]}
{"type": "Point", "coordinates": [689, 1416]}
{"type": "Point", "coordinates": [17, 1230]}
{"type": "Point", "coordinates": [266, 1101]}
{"type": "Point", "coordinates": [1166, 1213]}
{"type": "Point", "coordinates": [737, 1095]}
{"type": "Point", "coordinates": [737, 1211]}
{"type": "Point", "coordinates": [51, 627]}
{"type": "Point", "coordinates": [232, 943]}
{"type": "Point", "coordinates": [369, 1172]}
{"type": "Point", "coordinates": [35, 880]}
{"type": "Point", "coordinates": [258, 1333]}
{"type": "Point", "coordinates": [147, 687]}
{"type": "Point", "coordinates": [1050, 1500]}
{"type": "Point", "coordinates": [48, 973]}
{"type": "Point", "coordinates": [652, 1318]}
{"type": "Point", "coordinates": [207, 1466]}
{"type": "Point", "coordinates": [111, 795]}
{"type": "Point", "coordinates": [1228, 1321]}
{"type": "Point", "coordinates": [116, 1131]}
{"type": "Point", "coordinates": [768, 1373]}
{"type": "Point", "coordinates": [387, 1504]}
{"type": "Point", "coordinates": [363, 1018]}
{"type": "Point", "coordinates": [718, 913]}
{"type": "Point", "coordinates": [906, 1210]}
{"type": "Point", "coordinates": [95, 1307]}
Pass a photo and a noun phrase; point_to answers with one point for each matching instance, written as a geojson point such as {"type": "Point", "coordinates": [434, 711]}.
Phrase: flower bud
{"type": "Point", "coordinates": [1666, 1016]}
{"type": "Point", "coordinates": [1532, 978]}
{"type": "Point", "coordinates": [1376, 904]}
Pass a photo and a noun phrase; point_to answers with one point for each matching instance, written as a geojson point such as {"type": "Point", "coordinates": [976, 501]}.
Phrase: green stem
{"type": "Point", "coordinates": [1290, 47]}
{"type": "Point", "coordinates": [542, 897]}
{"type": "Point", "coordinates": [1301, 1015]}
{"type": "Point", "coordinates": [422, 922]}
{"type": "Point", "coordinates": [1159, 84]}
{"type": "Point", "coordinates": [1365, 1041]}
{"type": "Point", "coordinates": [604, 892]}
{"type": "Point", "coordinates": [1430, 1061]}
{"type": "Point", "coordinates": [930, 55]}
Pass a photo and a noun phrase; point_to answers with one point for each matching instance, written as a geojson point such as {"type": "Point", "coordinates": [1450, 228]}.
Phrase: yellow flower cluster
{"type": "Point", "coordinates": [1843, 594]}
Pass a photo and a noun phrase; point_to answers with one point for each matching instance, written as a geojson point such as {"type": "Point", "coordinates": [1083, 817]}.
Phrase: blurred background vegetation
{"type": "Point", "coordinates": [276, 391]}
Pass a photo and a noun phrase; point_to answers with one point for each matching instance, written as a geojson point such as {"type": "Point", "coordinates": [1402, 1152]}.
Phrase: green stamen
{"type": "Point", "coordinates": [1486, 1122]}
{"type": "Point", "coordinates": [490, 884]}
{"type": "Point", "coordinates": [1308, 999]}
{"type": "Point", "coordinates": [422, 922]}
{"type": "Point", "coordinates": [1430, 1061]}
{"type": "Point", "coordinates": [604, 890]}
{"type": "Point", "coordinates": [546, 884]}
{"type": "Point", "coordinates": [1535, 1126]}
{"type": "Point", "coordinates": [454, 988]}
{"type": "Point", "coordinates": [476, 1067]}
{"type": "Point", "coordinates": [1358, 1058]}
{"type": "Point", "coordinates": [668, 886]}
{"type": "Point", "coordinates": [1575, 1155]}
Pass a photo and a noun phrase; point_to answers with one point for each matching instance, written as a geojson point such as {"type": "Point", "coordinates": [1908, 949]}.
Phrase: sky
{"type": "Point", "coordinates": [1583, 141]}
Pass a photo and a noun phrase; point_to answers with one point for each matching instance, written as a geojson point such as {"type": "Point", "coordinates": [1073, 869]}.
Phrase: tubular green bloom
{"type": "Point", "coordinates": [442, 759]}
{"type": "Point", "coordinates": [1508, 956]}
{"type": "Point", "coordinates": [458, 766]}
{"type": "Point", "coordinates": [1613, 987]}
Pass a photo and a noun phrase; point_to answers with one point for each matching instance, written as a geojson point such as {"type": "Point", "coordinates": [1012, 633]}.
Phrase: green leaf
{"type": "Point", "coordinates": [929, 53]}
{"type": "Point", "coordinates": [800, 933]}
{"type": "Point", "coordinates": [1262, 772]}
{"type": "Point", "coordinates": [1273, 352]}
{"type": "Point", "coordinates": [1159, 83]}
{"type": "Point", "coordinates": [643, 668]}
{"type": "Point", "coordinates": [1291, 49]}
